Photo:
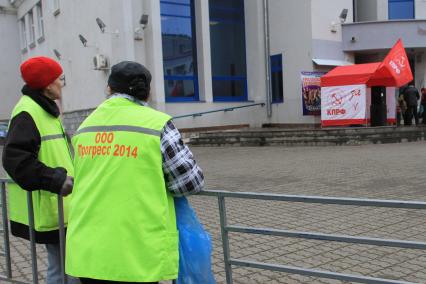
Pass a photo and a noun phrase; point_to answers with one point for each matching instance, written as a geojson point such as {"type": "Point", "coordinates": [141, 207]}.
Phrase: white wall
{"type": "Point", "coordinates": [327, 28]}
{"type": "Point", "coordinates": [420, 9]}
{"type": "Point", "coordinates": [10, 78]}
{"type": "Point", "coordinates": [256, 72]}
{"type": "Point", "coordinates": [326, 12]}
{"type": "Point", "coordinates": [154, 52]}
{"type": "Point", "coordinates": [291, 35]}
{"type": "Point", "coordinates": [420, 65]}
{"type": "Point", "coordinates": [382, 10]}
{"type": "Point", "coordinates": [203, 51]}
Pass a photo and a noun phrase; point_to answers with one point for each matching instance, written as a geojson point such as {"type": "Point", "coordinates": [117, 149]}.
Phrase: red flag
{"type": "Point", "coordinates": [397, 65]}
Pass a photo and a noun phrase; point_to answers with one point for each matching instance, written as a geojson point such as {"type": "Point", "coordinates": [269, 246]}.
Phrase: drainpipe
{"type": "Point", "coordinates": [267, 57]}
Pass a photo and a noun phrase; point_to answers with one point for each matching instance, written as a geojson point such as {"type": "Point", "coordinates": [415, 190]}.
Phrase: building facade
{"type": "Point", "coordinates": [379, 24]}
{"type": "Point", "coordinates": [206, 55]}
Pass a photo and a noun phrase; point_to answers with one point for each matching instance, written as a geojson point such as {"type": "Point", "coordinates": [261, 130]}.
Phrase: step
{"type": "Point", "coordinates": [295, 135]}
{"type": "Point", "coordinates": [347, 136]}
{"type": "Point", "coordinates": [312, 132]}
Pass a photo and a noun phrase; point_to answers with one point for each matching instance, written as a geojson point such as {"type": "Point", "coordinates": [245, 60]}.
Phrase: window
{"type": "Point", "coordinates": [277, 78]}
{"type": "Point", "coordinates": [179, 50]}
{"type": "Point", "coordinates": [23, 30]}
{"type": "Point", "coordinates": [31, 28]}
{"type": "Point", "coordinates": [228, 50]}
{"type": "Point", "coordinates": [364, 10]}
{"type": "Point", "coordinates": [40, 23]}
{"type": "Point", "coordinates": [401, 9]}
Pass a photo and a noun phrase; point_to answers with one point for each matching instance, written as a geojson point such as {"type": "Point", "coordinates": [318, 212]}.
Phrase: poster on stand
{"type": "Point", "coordinates": [311, 92]}
{"type": "Point", "coordinates": [343, 105]}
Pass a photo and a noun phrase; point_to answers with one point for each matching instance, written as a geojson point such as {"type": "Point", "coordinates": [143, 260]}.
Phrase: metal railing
{"type": "Point", "coordinates": [5, 231]}
{"type": "Point", "coordinates": [217, 110]}
{"type": "Point", "coordinates": [225, 229]}
{"type": "Point", "coordinates": [8, 277]}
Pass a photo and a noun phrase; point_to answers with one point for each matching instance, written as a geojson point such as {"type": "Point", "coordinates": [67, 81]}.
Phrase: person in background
{"type": "Point", "coordinates": [411, 96]}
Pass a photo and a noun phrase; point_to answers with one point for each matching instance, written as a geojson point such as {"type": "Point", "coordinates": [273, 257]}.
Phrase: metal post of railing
{"type": "Point", "coordinates": [225, 239]}
{"type": "Point", "coordinates": [62, 237]}
{"type": "Point", "coordinates": [32, 236]}
{"type": "Point", "coordinates": [6, 231]}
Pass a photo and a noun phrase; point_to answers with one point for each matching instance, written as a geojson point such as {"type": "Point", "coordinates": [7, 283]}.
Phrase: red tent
{"type": "Point", "coordinates": [394, 71]}
{"type": "Point", "coordinates": [368, 74]}
{"type": "Point", "coordinates": [345, 92]}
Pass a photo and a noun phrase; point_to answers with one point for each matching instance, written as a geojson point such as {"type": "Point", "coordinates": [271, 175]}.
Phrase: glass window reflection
{"type": "Point", "coordinates": [179, 50]}
{"type": "Point", "coordinates": [228, 50]}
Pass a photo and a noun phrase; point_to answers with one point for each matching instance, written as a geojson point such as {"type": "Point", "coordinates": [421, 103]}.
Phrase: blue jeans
{"type": "Point", "coordinates": [54, 275]}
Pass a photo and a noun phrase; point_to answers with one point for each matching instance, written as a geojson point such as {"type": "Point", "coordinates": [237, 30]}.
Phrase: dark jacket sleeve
{"type": "Point", "coordinates": [20, 157]}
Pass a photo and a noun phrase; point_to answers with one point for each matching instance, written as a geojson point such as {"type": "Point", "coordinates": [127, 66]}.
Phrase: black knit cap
{"type": "Point", "coordinates": [125, 74]}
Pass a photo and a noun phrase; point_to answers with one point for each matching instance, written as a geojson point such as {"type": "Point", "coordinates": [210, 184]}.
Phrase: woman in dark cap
{"type": "Point", "coordinates": [130, 162]}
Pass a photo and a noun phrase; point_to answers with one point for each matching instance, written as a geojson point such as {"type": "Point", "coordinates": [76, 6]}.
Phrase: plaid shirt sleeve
{"type": "Point", "coordinates": [182, 174]}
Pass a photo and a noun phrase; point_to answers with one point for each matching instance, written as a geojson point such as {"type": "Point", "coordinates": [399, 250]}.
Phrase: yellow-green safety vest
{"type": "Point", "coordinates": [54, 152]}
{"type": "Point", "coordinates": [122, 224]}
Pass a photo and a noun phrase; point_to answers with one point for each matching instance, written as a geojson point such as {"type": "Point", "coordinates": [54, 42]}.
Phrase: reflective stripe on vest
{"type": "Point", "coordinates": [53, 152]}
{"type": "Point", "coordinates": [122, 224]}
{"type": "Point", "coordinates": [126, 128]}
{"type": "Point", "coordinates": [52, 137]}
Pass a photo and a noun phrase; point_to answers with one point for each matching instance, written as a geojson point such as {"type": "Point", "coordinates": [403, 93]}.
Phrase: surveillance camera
{"type": "Point", "coordinates": [101, 24]}
{"type": "Point", "coordinates": [57, 54]}
{"type": "Point", "coordinates": [343, 15]}
{"type": "Point", "coordinates": [144, 20]}
{"type": "Point", "coordinates": [83, 40]}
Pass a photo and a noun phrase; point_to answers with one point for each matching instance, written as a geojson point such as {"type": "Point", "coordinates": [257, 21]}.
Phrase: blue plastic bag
{"type": "Point", "coordinates": [195, 246]}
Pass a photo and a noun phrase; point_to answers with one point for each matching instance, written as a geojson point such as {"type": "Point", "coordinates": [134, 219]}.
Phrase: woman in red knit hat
{"type": "Point", "coordinates": [37, 158]}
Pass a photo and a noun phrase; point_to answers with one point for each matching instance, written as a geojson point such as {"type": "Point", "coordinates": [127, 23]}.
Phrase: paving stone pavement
{"type": "Point", "coordinates": [390, 171]}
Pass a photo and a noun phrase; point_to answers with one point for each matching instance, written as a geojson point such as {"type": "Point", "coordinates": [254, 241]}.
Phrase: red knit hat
{"type": "Point", "coordinates": [40, 72]}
